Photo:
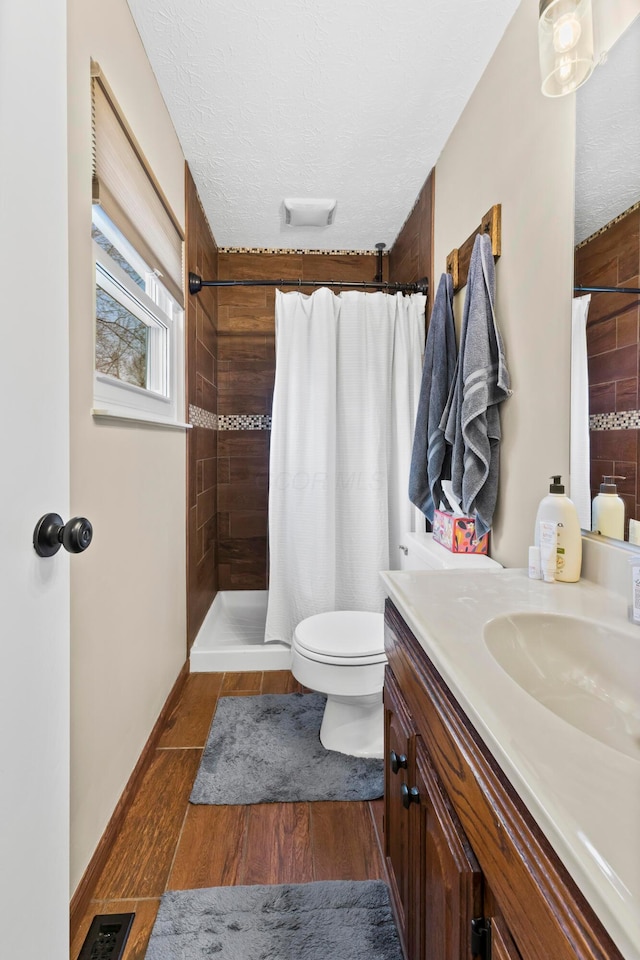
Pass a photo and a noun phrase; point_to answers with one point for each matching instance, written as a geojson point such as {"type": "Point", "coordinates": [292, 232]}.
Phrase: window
{"type": "Point", "coordinates": [139, 352]}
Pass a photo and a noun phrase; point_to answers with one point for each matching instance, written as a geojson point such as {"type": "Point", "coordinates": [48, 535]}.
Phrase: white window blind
{"type": "Point", "coordinates": [125, 187]}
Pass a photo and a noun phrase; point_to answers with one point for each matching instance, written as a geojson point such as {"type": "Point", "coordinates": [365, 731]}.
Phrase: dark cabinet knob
{"type": "Point", "coordinates": [398, 761]}
{"type": "Point", "coordinates": [409, 795]}
{"type": "Point", "coordinates": [51, 533]}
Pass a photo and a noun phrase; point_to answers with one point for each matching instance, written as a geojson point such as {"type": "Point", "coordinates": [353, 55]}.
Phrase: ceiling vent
{"type": "Point", "coordinates": [309, 213]}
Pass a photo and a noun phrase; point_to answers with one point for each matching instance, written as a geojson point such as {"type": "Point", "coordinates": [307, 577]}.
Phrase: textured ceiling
{"type": "Point", "coordinates": [608, 137]}
{"type": "Point", "coordinates": [315, 98]}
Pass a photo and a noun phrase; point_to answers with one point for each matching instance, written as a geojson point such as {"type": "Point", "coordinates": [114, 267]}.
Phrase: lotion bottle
{"type": "Point", "coordinates": [557, 508]}
{"type": "Point", "coordinates": [607, 510]}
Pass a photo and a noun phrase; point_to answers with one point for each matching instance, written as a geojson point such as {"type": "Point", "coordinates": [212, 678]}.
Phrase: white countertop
{"type": "Point", "coordinates": [584, 795]}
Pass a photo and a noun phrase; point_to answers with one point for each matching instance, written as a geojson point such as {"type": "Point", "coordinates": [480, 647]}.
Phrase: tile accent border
{"type": "Point", "coordinates": [298, 251]}
{"type": "Point", "coordinates": [627, 420]}
{"type": "Point", "coordinates": [234, 421]}
{"type": "Point", "coordinates": [244, 421]}
{"type": "Point", "coordinates": [202, 418]}
{"type": "Point", "coordinates": [608, 226]}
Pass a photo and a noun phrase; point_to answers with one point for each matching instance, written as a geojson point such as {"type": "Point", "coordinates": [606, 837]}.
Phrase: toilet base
{"type": "Point", "coordinates": [354, 725]}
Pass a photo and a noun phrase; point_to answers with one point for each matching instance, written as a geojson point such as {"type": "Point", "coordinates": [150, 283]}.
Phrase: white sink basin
{"type": "Point", "coordinates": [584, 672]}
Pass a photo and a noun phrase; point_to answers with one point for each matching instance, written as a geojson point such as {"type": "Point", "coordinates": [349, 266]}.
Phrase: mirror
{"type": "Point", "coordinates": [607, 238]}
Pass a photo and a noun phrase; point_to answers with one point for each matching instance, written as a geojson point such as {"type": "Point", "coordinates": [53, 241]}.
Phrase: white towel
{"type": "Point", "coordinates": [471, 420]}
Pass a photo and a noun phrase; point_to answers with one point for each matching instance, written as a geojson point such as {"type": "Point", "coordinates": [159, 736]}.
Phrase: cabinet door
{"type": "Point", "coordinates": [502, 945]}
{"type": "Point", "coordinates": [399, 763]}
{"type": "Point", "coordinates": [448, 890]}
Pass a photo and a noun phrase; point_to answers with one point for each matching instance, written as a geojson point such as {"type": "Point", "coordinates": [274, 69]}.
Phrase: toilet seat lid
{"type": "Point", "coordinates": [348, 634]}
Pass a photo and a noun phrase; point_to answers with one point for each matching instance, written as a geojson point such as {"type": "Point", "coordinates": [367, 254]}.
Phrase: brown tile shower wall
{"type": "Point", "coordinates": [246, 372]}
{"type": "Point", "coordinates": [411, 256]}
{"type": "Point", "coordinates": [612, 258]}
{"type": "Point", "coordinates": [201, 257]}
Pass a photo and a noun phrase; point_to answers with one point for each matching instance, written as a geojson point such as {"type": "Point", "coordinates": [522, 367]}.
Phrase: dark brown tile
{"type": "Point", "coordinates": [206, 506]}
{"type": "Point", "coordinates": [627, 328]}
{"type": "Point", "coordinates": [627, 394]}
{"type": "Point", "coordinates": [211, 848]}
{"type": "Point", "coordinates": [204, 362]}
{"type": "Point", "coordinates": [248, 576]}
{"type": "Point", "coordinates": [140, 859]}
{"type": "Point", "coordinates": [248, 523]}
{"type": "Point", "coordinates": [145, 916]}
{"type": "Point", "coordinates": [209, 473]}
{"type": "Point", "coordinates": [278, 848]}
{"type": "Point", "coordinates": [601, 337]}
{"type": "Point", "coordinates": [247, 682]}
{"type": "Point", "coordinates": [248, 495]}
{"type": "Point", "coordinates": [245, 297]}
{"type": "Point", "coordinates": [243, 346]}
{"type": "Point", "coordinates": [250, 318]}
{"type": "Point", "coordinates": [223, 470]}
{"type": "Point", "coordinates": [243, 443]}
{"type": "Point", "coordinates": [189, 722]}
{"type": "Point", "coordinates": [224, 576]}
{"type": "Point", "coordinates": [627, 487]}
{"type": "Point", "coordinates": [344, 843]}
{"type": "Point", "coordinates": [248, 468]}
{"type": "Point", "coordinates": [602, 397]}
{"type": "Point", "coordinates": [614, 445]}
{"type": "Point", "coordinates": [260, 266]}
{"type": "Point", "coordinates": [614, 365]}
{"type": "Point", "coordinates": [280, 681]}
{"type": "Point", "coordinates": [223, 526]}
{"type": "Point", "coordinates": [247, 549]}
{"type": "Point", "coordinates": [599, 469]}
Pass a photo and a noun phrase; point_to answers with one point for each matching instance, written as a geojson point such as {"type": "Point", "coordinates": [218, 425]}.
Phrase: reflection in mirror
{"type": "Point", "coordinates": [607, 255]}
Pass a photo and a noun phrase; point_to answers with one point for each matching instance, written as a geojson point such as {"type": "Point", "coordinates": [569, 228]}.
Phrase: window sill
{"type": "Point", "coordinates": [146, 419]}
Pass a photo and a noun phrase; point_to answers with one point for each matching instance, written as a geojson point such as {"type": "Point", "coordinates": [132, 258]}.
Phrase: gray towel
{"type": "Point", "coordinates": [471, 421]}
{"type": "Point", "coordinates": [431, 456]}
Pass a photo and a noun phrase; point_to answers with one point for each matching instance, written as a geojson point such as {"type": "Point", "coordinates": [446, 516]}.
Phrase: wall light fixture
{"type": "Point", "coordinates": [565, 45]}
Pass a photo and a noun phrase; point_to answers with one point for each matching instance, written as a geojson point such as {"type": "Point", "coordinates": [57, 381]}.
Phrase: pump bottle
{"type": "Point", "coordinates": [559, 509]}
{"type": "Point", "coordinates": [607, 510]}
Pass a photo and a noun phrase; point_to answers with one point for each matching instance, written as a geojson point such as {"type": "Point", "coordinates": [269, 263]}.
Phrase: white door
{"type": "Point", "coordinates": [34, 593]}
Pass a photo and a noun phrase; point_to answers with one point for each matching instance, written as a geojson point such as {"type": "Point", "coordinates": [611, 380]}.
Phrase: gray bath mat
{"type": "Point", "coordinates": [267, 750]}
{"type": "Point", "coordinates": [340, 919]}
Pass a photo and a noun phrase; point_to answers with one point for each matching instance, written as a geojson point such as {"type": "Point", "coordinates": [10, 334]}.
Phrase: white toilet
{"type": "Point", "coordinates": [341, 654]}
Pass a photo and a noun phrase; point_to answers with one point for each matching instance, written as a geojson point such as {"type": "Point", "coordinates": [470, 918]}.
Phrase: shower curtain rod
{"type": "Point", "coordinates": [606, 290]}
{"type": "Point", "coordinates": [196, 284]}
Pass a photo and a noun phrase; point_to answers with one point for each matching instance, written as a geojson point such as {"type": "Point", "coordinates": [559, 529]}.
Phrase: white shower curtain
{"type": "Point", "coordinates": [348, 373]}
{"type": "Point", "coordinates": [579, 463]}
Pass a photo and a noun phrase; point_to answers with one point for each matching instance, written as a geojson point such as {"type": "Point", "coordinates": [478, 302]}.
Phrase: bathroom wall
{"type": "Point", "coordinates": [612, 258]}
{"type": "Point", "coordinates": [246, 370]}
{"type": "Point", "coordinates": [201, 257]}
{"type": "Point", "coordinates": [513, 146]}
{"type": "Point", "coordinates": [128, 620]}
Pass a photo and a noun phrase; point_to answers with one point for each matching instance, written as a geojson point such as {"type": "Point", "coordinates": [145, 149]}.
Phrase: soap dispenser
{"type": "Point", "coordinates": [607, 512]}
{"type": "Point", "coordinates": [559, 509]}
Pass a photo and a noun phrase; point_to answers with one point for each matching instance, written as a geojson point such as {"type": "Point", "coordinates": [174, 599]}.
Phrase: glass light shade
{"type": "Point", "coordinates": [565, 45]}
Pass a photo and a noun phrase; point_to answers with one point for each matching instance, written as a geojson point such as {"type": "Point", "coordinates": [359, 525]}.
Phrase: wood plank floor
{"type": "Point", "coordinates": [168, 844]}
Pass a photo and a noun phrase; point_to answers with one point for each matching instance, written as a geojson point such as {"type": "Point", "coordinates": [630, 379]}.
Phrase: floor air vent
{"type": "Point", "coordinates": [107, 937]}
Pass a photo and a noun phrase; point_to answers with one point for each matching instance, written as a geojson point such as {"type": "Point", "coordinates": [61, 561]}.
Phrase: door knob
{"type": "Point", "coordinates": [398, 761]}
{"type": "Point", "coordinates": [409, 796]}
{"type": "Point", "coordinates": [51, 533]}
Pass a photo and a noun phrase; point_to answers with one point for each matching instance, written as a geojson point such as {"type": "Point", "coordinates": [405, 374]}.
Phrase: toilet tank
{"type": "Point", "coordinates": [419, 551]}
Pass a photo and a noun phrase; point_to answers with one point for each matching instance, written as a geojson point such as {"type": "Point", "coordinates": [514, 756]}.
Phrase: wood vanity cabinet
{"type": "Point", "coordinates": [470, 872]}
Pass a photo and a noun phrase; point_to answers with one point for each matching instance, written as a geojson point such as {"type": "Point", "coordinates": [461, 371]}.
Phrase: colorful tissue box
{"type": "Point", "coordinates": [458, 534]}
